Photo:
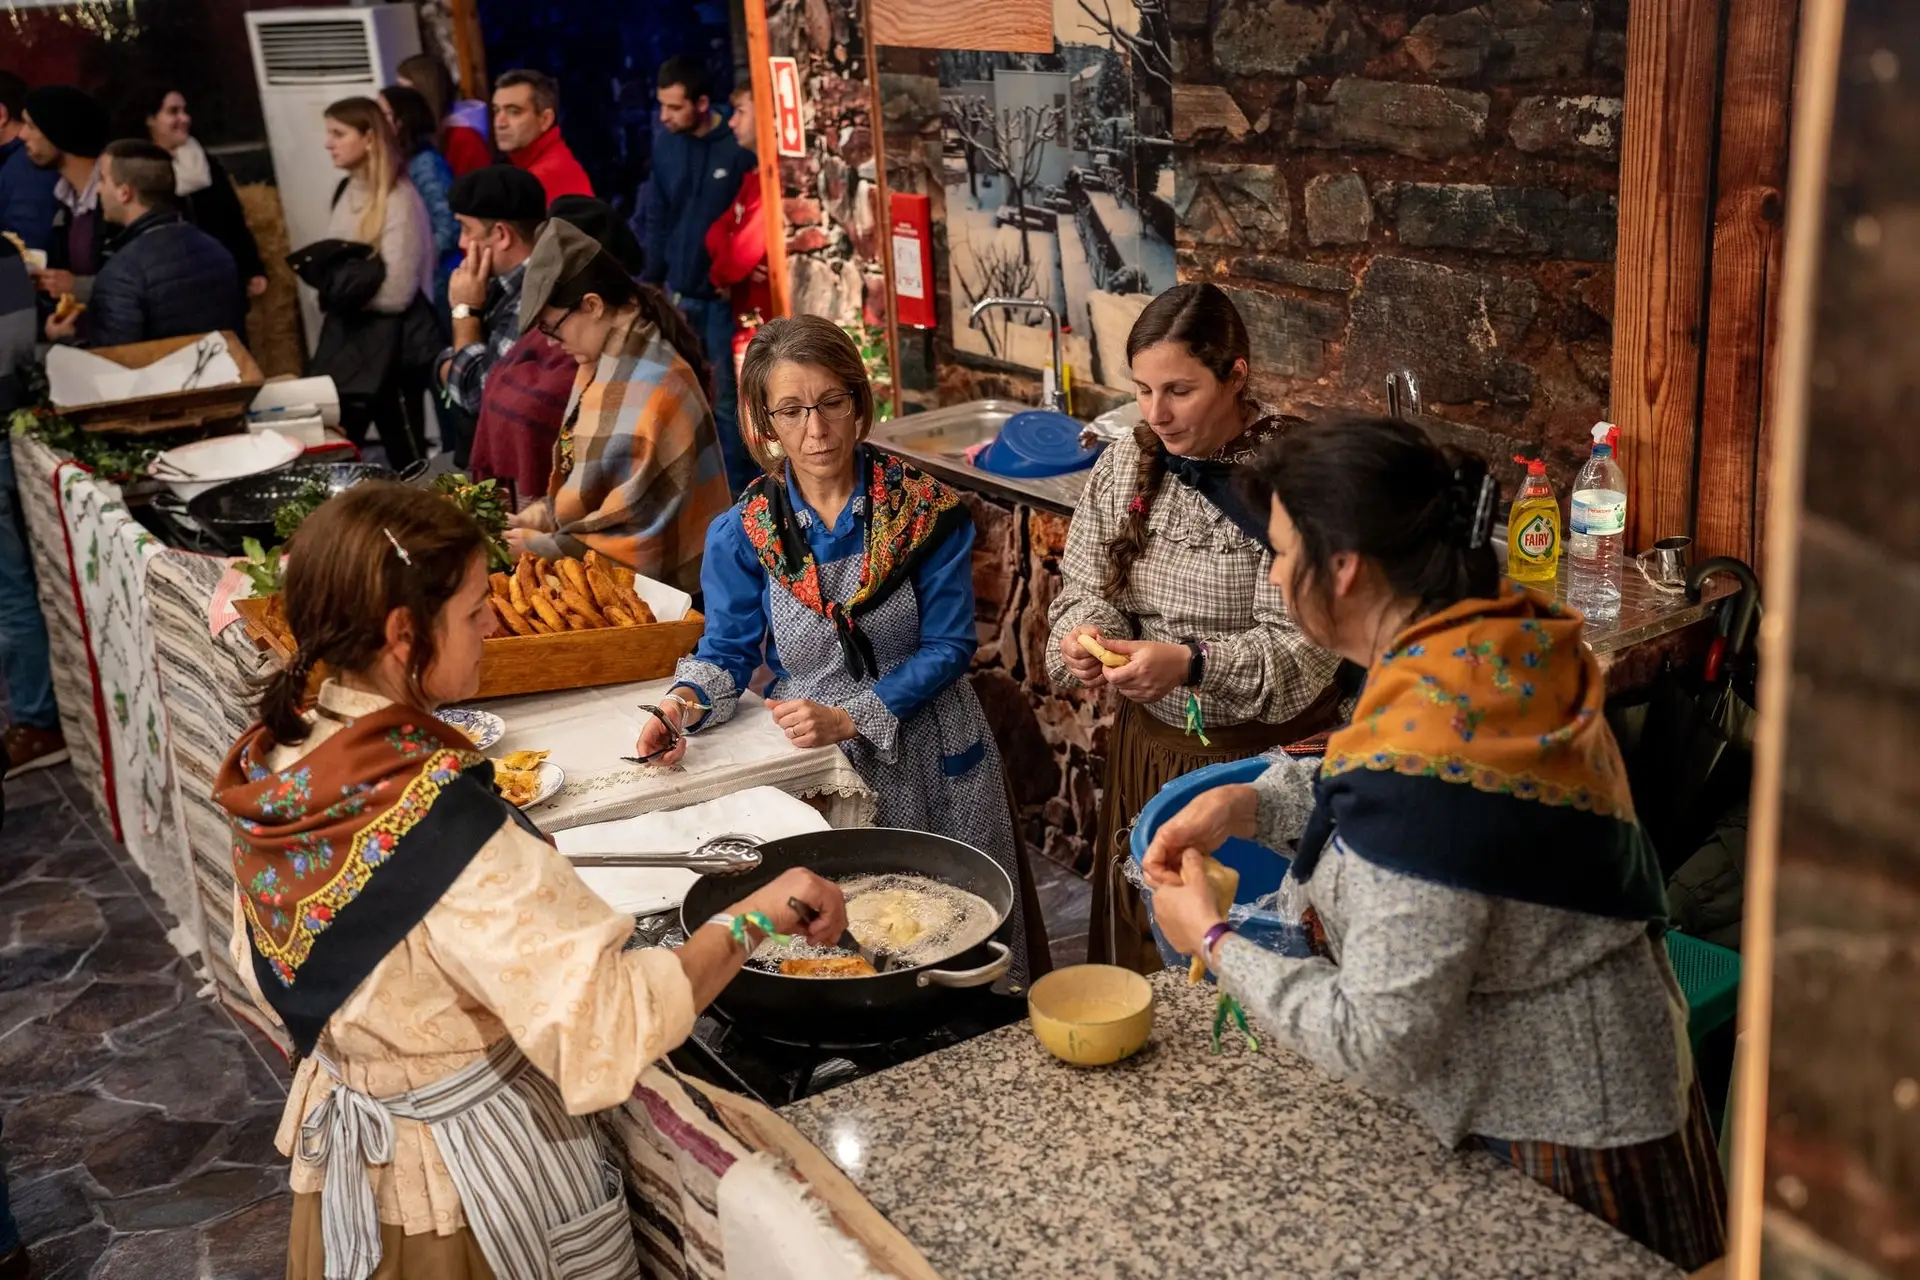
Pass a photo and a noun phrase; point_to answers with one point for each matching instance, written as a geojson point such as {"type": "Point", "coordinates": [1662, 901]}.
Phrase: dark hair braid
{"type": "Point", "coordinates": [1202, 318]}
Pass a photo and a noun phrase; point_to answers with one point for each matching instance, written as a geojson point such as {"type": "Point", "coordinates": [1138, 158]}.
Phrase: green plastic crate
{"type": "Point", "coordinates": [1709, 976]}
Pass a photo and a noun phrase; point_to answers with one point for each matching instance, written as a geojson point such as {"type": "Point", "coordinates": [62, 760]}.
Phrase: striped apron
{"type": "Point", "coordinates": [540, 1197]}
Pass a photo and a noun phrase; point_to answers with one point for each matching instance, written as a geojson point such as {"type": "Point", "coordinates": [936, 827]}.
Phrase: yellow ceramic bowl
{"type": "Point", "coordinates": [1090, 1015]}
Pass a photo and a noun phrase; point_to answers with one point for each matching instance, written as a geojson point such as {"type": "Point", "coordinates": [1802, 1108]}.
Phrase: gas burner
{"type": "Point", "coordinates": [726, 1053]}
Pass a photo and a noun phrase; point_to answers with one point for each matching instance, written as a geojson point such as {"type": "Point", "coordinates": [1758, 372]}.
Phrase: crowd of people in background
{"type": "Point", "coordinates": [124, 228]}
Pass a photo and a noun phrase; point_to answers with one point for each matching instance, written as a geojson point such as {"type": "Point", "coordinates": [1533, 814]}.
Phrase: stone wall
{"type": "Point", "coordinates": [829, 195]}
{"type": "Point", "coordinates": [1419, 185]}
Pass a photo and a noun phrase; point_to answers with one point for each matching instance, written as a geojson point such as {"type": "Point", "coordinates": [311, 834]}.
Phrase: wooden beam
{"type": "Point", "coordinates": [1743, 298]}
{"type": "Point", "coordinates": [1813, 107]}
{"type": "Point", "coordinates": [883, 205]}
{"type": "Point", "coordinates": [759, 50]}
{"type": "Point", "coordinates": [1003, 26]}
{"type": "Point", "coordinates": [1659, 296]}
{"type": "Point", "coordinates": [469, 48]}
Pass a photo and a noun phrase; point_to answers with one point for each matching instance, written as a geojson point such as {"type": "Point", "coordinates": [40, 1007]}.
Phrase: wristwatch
{"type": "Point", "coordinates": [461, 311]}
{"type": "Point", "coordinates": [1196, 662]}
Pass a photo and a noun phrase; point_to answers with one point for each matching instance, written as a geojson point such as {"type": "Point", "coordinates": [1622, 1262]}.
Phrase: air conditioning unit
{"type": "Point", "coordinates": [305, 60]}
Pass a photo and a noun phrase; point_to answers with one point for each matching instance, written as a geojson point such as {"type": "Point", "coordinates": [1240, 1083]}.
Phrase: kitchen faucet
{"type": "Point", "coordinates": [1050, 395]}
{"type": "Point", "coordinates": [1403, 394]}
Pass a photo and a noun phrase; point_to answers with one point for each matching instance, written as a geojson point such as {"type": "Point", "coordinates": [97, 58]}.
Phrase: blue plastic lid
{"type": "Point", "coordinates": [1038, 443]}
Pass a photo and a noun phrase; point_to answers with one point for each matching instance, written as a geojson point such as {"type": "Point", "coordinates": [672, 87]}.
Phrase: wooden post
{"type": "Point", "coordinates": [1743, 298]}
{"type": "Point", "coordinates": [468, 48]}
{"type": "Point", "coordinates": [1659, 297]}
{"type": "Point", "coordinates": [1813, 111]}
{"type": "Point", "coordinates": [883, 210]}
{"type": "Point", "coordinates": [759, 49]}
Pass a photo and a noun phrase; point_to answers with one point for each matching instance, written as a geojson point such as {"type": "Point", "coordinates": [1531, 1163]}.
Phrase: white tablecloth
{"type": "Point", "coordinates": [588, 730]}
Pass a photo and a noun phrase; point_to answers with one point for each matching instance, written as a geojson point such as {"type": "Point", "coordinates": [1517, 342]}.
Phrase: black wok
{"type": "Point", "coordinates": [853, 1011]}
{"type": "Point", "coordinates": [244, 508]}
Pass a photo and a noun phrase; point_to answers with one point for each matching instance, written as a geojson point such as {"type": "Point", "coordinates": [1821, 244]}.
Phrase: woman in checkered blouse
{"type": "Point", "coordinates": [1172, 577]}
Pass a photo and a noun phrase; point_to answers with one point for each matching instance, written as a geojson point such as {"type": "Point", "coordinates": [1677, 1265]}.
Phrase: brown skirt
{"type": "Point", "coordinates": [402, 1257]}
{"type": "Point", "coordinates": [1144, 755]}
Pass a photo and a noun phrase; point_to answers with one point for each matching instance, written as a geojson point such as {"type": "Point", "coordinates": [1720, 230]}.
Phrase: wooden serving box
{"type": "Point", "coordinates": [581, 659]}
{"type": "Point", "coordinates": [512, 665]}
{"type": "Point", "coordinates": [210, 407]}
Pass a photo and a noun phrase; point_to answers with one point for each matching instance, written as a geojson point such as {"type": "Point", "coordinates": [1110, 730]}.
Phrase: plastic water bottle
{"type": "Point", "coordinates": [1598, 529]}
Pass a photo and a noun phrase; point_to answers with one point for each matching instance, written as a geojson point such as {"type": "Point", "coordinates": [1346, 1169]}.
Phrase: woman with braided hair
{"type": "Point", "coordinates": [1166, 569]}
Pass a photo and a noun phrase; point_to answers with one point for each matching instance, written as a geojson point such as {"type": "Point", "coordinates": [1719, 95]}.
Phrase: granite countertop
{"type": "Point", "coordinates": [997, 1160]}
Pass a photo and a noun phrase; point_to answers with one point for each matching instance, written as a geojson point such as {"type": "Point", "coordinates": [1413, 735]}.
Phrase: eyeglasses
{"type": "Point", "coordinates": [553, 330]}
{"type": "Point", "coordinates": [838, 407]}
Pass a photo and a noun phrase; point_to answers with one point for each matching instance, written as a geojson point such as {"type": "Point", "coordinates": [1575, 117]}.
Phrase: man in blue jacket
{"type": "Point", "coordinates": [164, 277]}
{"type": "Point", "coordinates": [26, 190]}
{"type": "Point", "coordinates": [697, 169]}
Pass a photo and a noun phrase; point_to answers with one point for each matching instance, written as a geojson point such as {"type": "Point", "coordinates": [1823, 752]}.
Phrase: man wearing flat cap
{"type": "Point", "coordinates": [65, 130]}
{"type": "Point", "coordinates": [500, 209]}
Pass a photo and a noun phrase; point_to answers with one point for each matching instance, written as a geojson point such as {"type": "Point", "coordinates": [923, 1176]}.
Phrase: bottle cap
{"type": "Point", "coordinates": [1534, 466]}
{"type": "Point", "coordinates": [1604, 434]}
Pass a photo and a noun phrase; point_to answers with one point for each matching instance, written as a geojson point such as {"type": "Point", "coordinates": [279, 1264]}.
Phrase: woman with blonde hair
{"type": "Point", "coordinates": [379, 349]}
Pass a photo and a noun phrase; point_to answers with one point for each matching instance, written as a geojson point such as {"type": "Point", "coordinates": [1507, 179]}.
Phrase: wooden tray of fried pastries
{"type": "Point", "coordinates": [572, 624]}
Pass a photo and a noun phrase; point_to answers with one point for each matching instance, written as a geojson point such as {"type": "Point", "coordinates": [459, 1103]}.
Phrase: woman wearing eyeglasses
{"type": "Point", "coordinates": [637, 473]}
{"type": "Point", "coordinates": [852, 573]}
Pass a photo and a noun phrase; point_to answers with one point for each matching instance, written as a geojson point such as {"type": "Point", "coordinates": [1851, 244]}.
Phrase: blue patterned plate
{"type": "Point", "coordinates": [484, 727]}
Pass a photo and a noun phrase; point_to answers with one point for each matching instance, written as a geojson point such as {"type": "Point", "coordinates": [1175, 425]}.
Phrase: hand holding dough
{"type": "Point", "coordinates": [1108, 658]}
{"type": "Point", "coordinates": [1224, 881]}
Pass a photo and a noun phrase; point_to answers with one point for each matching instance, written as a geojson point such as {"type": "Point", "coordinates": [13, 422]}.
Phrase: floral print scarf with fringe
{"type": "Point", "coordinates": [908, 514]}
{"type": "Point", "coordinates": [340, 854]}
{"type": "Point", "coordinates": [1479, 757]}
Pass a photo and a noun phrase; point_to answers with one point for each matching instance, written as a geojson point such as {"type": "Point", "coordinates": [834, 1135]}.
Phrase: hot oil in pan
{"type": "Point", "coordinates": [913, 919]}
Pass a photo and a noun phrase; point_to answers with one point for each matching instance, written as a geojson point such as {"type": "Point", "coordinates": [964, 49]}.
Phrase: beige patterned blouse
{"type": "Point", "coordinates": [1200, 577]}
{"type": "Point", "coordinates": [517, 946]}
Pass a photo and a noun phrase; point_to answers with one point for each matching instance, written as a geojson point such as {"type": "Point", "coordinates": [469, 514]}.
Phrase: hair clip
{"type": "Point", "coordinates": [1138, 506]}
{"type": "Point", "coordinates": [398, 549]}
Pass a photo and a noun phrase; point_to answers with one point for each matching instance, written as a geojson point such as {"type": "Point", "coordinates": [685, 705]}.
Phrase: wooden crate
{"type": "Point", "coordinates": [512, 665]}
{"type": "Point", "coordinates": [582, 659]}
{"type": "Point", "coordinates": [220, 407]}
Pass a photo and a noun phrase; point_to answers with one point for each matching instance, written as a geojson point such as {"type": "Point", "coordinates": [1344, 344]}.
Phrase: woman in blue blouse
{"type": "Point", "coordinates": [850, 575]}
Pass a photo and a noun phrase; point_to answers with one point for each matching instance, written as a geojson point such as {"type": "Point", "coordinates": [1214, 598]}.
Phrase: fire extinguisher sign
{"type": "Point", "coordinates": [787, 127]}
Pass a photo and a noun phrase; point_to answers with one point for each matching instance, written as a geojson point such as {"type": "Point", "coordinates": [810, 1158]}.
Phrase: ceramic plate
{"type": "Point", "coordinates": [484, 727]}
{"type": "Point", "coordinates": [552, 778]}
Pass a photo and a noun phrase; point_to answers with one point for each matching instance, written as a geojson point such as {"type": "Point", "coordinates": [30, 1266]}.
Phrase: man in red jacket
{"type": "Point", "coordinates": [737, 240]}
{"type": "Point", "coordinates": [526, 126]}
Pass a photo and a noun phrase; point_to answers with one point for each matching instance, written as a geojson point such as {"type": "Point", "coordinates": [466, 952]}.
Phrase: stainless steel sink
{"type": "Point", "coordinates": [937, 442]}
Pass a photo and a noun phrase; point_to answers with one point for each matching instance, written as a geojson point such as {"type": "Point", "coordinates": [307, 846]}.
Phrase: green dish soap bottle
{"type": "Point", "coordinates": [1533, 529]}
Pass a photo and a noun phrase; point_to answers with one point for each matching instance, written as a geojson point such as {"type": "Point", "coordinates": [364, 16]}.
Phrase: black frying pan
{"type": "Point", "coordinates": [244, 508]}
{"type": "Point", "coordinates": [853, 1011]}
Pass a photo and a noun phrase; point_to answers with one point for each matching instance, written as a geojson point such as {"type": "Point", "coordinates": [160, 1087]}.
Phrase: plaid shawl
{"type": "Point", "coordinates": [637, 474]}
{"type": "Point", "coordinates": [1478, 757]}
{"type": "Point", "coordinates": [907, 513]}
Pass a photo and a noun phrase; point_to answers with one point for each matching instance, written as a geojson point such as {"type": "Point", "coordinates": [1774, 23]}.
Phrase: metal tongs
{"type": "Point", "coordinates": [876, 960]}
{"type": "Point", "coordinates": [721, 856]}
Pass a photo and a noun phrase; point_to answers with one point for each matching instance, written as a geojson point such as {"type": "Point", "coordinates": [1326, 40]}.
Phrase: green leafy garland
{"type": "Point", "coordinates": [110, 459]}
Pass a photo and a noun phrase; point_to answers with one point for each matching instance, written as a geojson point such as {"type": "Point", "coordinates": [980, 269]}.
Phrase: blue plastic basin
{"type": "Point", "coordinates": [1035, 444]}
{"type": "Point", "coordinates": [1260, 868]}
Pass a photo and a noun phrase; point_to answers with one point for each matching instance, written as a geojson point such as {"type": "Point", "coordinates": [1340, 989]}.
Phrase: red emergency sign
{"type": "Point", "coordinates": [912, 218]}
{"type": "Point", "coordinates": [787, 126]}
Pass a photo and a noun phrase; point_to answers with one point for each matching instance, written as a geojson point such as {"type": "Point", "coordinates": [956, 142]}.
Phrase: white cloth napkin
{"type": "Point", "coordinates": [772, 1228]}
{"type": "Point", "coordinates": [767, 813]}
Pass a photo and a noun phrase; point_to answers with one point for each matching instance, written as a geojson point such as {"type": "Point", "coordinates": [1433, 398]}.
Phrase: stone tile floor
{"type": "Point", "coordinates": [136, 1115]}
{"type": "Point", "coordinates": [1064, 902]}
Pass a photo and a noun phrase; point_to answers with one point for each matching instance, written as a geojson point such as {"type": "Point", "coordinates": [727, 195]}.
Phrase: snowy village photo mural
{"type": "Point", "coordinates": [1059, 185]}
